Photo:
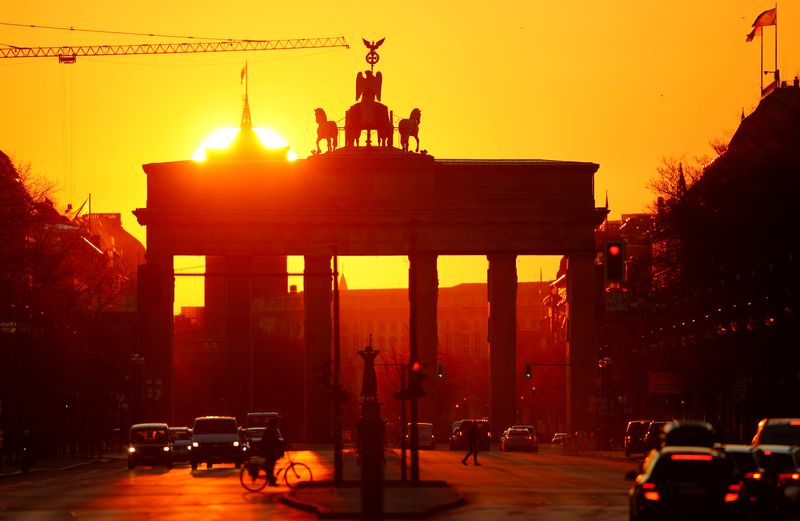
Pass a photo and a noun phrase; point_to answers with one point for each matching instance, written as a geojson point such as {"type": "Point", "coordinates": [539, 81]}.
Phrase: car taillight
{"type": "Point", "coordinates": [650, 492]}
{"type": "Point", "coordinates": [789, 476]}
{"type": "Point", "coordinates": [733, 493]}
{"type": "Point", "coordinates": [754, 475]}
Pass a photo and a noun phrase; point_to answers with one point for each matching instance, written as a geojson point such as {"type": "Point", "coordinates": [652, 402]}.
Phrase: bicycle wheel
{"type": "Point", "coordinates": [297, 473]}
{"type": "Point", "coordinates": [253, 477]}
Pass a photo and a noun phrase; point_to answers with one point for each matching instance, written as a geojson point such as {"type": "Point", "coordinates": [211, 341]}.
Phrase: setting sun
{"type": "Point", "coordinates": [222, 138]}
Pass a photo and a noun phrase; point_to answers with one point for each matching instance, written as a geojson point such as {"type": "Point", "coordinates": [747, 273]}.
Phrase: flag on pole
{"type": "Point", "coordinates": [768, 17]}
{"type": "Point", "coordinates": [244, 72]}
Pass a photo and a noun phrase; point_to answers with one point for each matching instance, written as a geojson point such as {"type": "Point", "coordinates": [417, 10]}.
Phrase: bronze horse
{"type": "Point", "coordinates": [409, 128]}
{"type": "Point", "coordinates": [327, 130]}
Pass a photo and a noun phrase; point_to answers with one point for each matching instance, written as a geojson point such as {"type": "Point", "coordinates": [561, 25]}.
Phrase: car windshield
{"type": "Point", "coordinates": [215, 426]}
{"type": "Point", "coordinates": [780, 434]}
{"type": "Point", "coordinates": [518, 432]}
{"type": "Point", "coordinates": [148, 436]}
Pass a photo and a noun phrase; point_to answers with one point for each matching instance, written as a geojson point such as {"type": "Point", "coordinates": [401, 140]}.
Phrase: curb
{"type": "Point", "coordinates": [323, 512]}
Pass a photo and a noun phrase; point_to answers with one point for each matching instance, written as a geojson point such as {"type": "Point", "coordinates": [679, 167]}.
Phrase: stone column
{"type": "Point", "coordinates": [502, 279]}
{"type": "Point", "coordinates": [152, 364]}
{"type": "Point", "coordinates": [238, 334]}
{"type": "Point", "coordinates": [426, 292]}
{"type": "Point", "coordinates": [581, 340]}
{"type": "Point", "coordinates": [317, 308]}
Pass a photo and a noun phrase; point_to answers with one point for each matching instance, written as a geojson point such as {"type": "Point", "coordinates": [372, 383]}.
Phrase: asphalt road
{"type": "Point", "coordinates": [547, 485]}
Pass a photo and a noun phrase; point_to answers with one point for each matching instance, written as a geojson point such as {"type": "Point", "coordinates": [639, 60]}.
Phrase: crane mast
{"type": "Point", "coordinates": [68, 54]}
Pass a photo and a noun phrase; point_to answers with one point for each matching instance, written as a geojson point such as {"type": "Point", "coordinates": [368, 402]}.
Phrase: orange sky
{"type": "Point", "coordinates": [623, 84]}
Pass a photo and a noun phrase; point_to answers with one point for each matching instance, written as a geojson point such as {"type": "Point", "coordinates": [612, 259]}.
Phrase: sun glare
{"type": "Point", "coordinates": [222, 138]}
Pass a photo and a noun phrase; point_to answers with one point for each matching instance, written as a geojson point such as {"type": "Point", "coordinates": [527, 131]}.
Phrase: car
{"type": "Point", "coordinates": [634, 436]}
{"type": "Point", "coordinates": [757, 487]}
{"type": "Point", "coordinates": [777, 431]}
{"type": "Point", "coordinates": [560, 438]}
{"type": "Point", "coordinates": [781, 471]}
{"type": "Point", "coordinates": [518, 439]}
{"type": "Point", "coordinates": [217, 439]}
{"type": "Point", "coordinates": [252, 436]}
{"type": "Point", "coordinates": [688, 433]}
{"type": "Point", "coordinates": [425, 437]}
{"type": "Point", "coordinates": [181, 439]}
{"type": "Point", "coordinates": [691, 482]}
{"type": "Point", "coordinates": [259, 419]}
{"type": "Point", "coordinates": [652, 438]}
{"type": "Point", "coordinates": [458, 439]}
{"type": "Point", "coordinates": [149, 445]}
{"type": "Point", "coordinates": [532, 430]}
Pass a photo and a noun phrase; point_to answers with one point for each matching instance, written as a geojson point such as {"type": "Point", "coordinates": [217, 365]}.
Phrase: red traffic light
{"type": "Point", "coordinates": [614, 250]}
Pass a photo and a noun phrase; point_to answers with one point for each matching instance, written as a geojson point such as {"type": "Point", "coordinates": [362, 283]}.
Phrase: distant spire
{"type": "Point", "coordinates": [681, 181]}
{"type": "Point", "coordinates": [606, 220]}
{"type": "Point", "coordinates": [247, 123]}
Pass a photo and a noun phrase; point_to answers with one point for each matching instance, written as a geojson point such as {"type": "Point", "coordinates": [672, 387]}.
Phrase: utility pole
{"type": "Point", "coordinates": [338, 470]}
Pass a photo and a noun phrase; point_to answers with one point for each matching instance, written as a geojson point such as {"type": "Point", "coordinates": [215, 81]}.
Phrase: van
{"type": "Point", "coordinates": [217, 439]}
{"type": "Point", "coordinates": [425, 436]}
{"type": "Point", "coordinates": [149, 444]}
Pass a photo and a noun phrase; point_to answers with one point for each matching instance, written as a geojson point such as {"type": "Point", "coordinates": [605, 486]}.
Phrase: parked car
{"type": "Point", "coordinates": [560, 438]}
{"type": "Point", "coordinates": [425, 437]}
{"type": "Point", "coordinates": [217, 439]}
{"type": "Point", "coordinates": [532, 430]}
{"type": "Point", "coordinates": [634, 436]}
{"type": "Point", "coordinates": [149, 445]}
{"type": "Point", "coordinates": [518, 439]}
{"type": "Point", "coordinates": [458, 439]}
{"type": "Point", "coordinates": [777, 431]}
{"type": "Point", "coordinates": [691, 482]}
{"type": "Point", "coordinates": [181, 439]}
{"type": "Point", "coordinates": [259, 419]}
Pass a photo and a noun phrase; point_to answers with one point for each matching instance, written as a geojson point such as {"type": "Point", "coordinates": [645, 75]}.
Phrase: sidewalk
{"type": "Point", "coordinates": [54, 463]}
{"type": "Point", "coordinates": [400, 499]}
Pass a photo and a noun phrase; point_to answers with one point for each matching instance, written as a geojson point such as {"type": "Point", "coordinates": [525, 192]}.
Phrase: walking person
{"type": "Point", "coordinates": [472, 441]}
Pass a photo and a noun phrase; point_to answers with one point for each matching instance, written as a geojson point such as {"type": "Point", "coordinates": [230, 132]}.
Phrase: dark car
{"type": "Point", "coordinates": [778, 431]}
{"type": "Point", "coordinates": [634, 436]}
{"type": "Point", "coordinates": [149, 445]}
{"type": "Point", "coordinates": [518, 439]}
{"type": "Point", "coordinates": [756, 495]}
{"type": "Point", "coordinates": [181, 439]}
{"type": "Point", "coordinates": [217, 439]}
{"type": "Point", "coordinates": [782, 472]}
{"type": "Point", "coordinates": [652, 438]}
{"type": "Point", "coordinates": [459, 441]}
{"type": "Point", "coordinates": [688, 433]}
{"type": "Point", "coordinates": [691, 482]}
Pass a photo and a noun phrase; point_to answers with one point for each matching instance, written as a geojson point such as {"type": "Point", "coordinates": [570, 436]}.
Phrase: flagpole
{"type": "Point", "coordinates": [761, 71]}
{"type": "Point", "coordinates": [777, 72]}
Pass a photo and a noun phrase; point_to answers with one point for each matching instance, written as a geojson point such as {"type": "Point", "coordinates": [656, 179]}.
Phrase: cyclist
{"type": "Point", "coordinates": [271, 449]}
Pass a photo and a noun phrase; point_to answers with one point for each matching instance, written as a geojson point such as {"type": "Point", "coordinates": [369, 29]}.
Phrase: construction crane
{"type": "Point", "coordinates": [68, 54]}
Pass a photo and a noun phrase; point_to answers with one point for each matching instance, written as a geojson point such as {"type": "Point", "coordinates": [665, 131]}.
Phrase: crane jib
{"type": "Point", "coordinates": [67, 54]}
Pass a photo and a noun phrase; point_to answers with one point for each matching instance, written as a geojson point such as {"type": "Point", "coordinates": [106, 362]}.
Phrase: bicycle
{"type": "Point", "coordinates": [253, 475]}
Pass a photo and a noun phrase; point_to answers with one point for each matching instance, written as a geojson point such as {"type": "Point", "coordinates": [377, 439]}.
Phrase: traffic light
{"type": "Point", "coordinates": [614, 260]}
{"type": "Point", "coordinates": [528, 371]}
{"type": "Point", "coordinates": [439, 371]}
{"type": "Point", "coordinates": [416, 373]}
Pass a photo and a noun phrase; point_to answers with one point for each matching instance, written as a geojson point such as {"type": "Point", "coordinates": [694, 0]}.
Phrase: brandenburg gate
{"type": "Point", "coordinates": [250, 207]}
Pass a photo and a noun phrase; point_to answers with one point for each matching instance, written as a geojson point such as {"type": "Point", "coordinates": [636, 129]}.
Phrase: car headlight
{"type": "Point", "coordinates": [195, 444]}
{"type": "Point", "coordinates": [131, 449]}
{"type": "Point", "coordinates": [166, 448]}
{"type": "Point", "coordinates": [235, 443]}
